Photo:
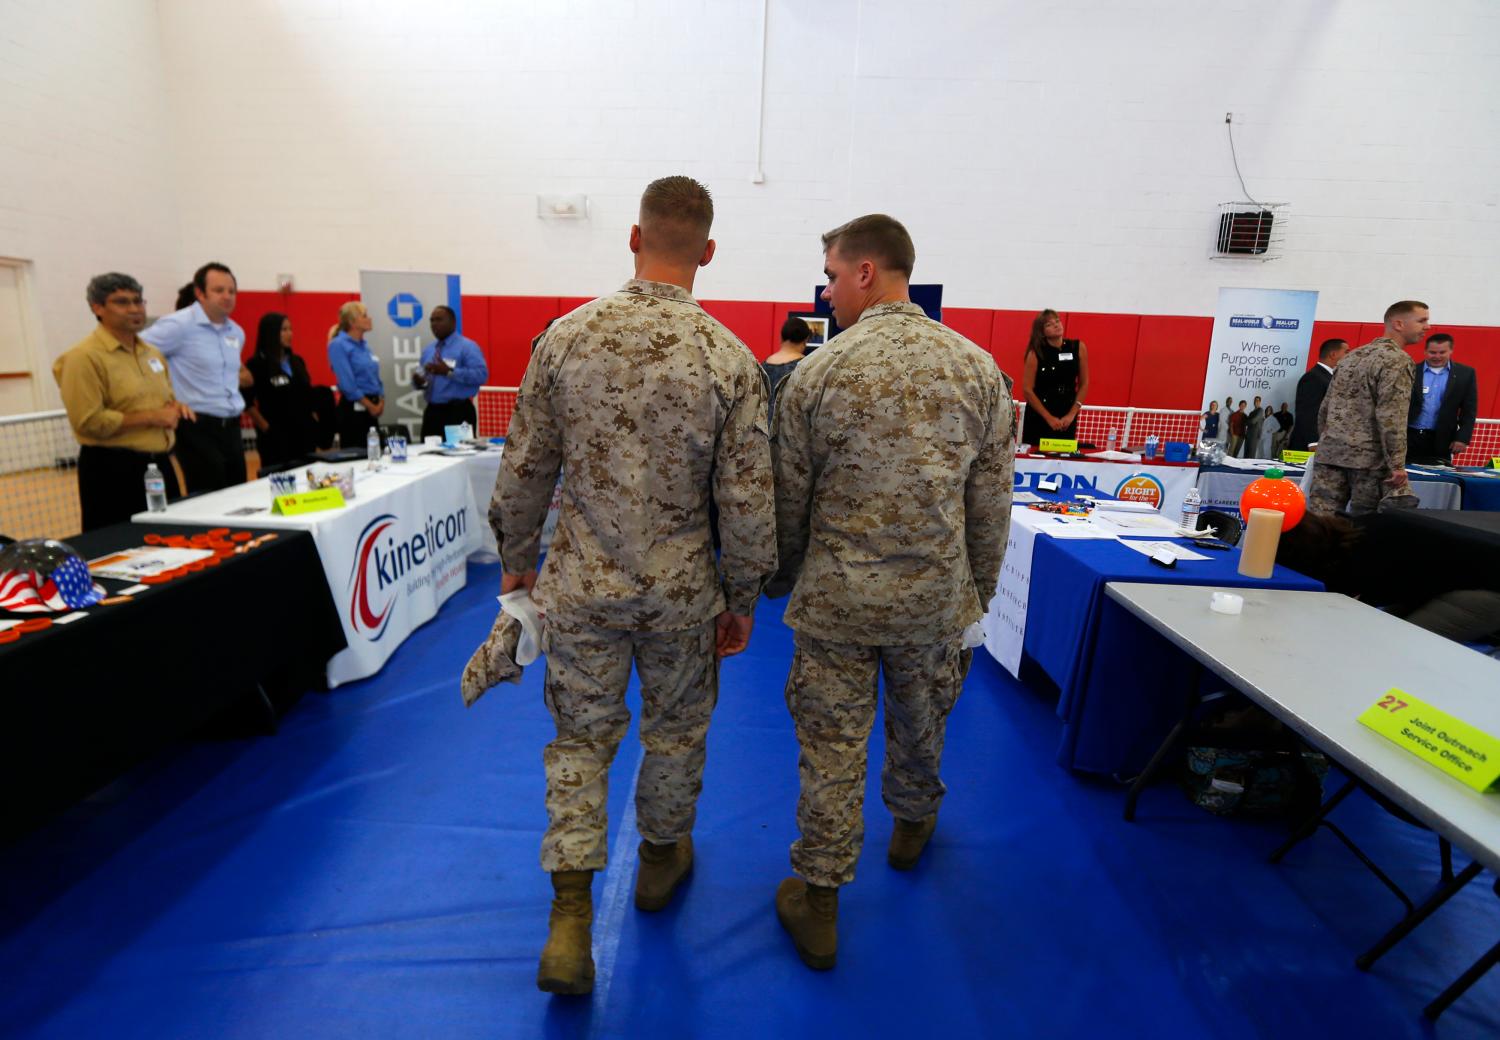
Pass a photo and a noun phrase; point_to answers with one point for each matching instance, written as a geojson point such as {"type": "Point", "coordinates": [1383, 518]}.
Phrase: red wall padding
{"type": "Point", "coordinates": [1111, 342]}
{"type": "Point", "coordinates": [1149, 361]}
{"type": "Point", "coordinates": [1171, 359]}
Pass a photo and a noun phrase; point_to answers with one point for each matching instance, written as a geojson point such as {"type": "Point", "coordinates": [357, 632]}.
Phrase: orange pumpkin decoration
{"type": "Point", "coordinates": [1274, 491]}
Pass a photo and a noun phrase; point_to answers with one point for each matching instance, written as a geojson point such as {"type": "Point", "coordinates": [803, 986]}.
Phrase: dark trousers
{"type": "Point", "coordinates": [112, 483]}
{"type": "Point", "coordinates": [212, 453]}
{"type": "Point", "coordinates": [449, 413]}
{"type": "Point", "coordinates": [354, 427]}
{"type": "Point", "coordinates": [1422, 446]}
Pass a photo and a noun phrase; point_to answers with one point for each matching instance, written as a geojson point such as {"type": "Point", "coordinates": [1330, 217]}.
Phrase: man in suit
{"type": "Point", "coordinates": [1444, 399]}
{"type": "Point", "coordinates": [1310, 390]}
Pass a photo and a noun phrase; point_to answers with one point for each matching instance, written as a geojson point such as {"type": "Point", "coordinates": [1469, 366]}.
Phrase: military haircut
{"type": "Point", "coordinates": [1401, 308]}
{"type": "Point", "coordinates": [1330, 347]}
{"type": "Point", "coordinates": [676, 216]}
{"type": "Point", "coordinates": [877, 237]}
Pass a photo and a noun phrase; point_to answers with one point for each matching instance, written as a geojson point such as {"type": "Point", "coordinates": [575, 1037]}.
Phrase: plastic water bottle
{"type": "Point", "coordinates": [156, 490]}
{"type": "Point", "coordinates": [397, 444]}
{"type": "Point", "coordinates": [1114, 438]}
{"type": "Point", "coordinates": [1151, 446]}
{"type": "Point", "coordinates": [1192, 505]}
{"type": "Point", "coordinates": [372, 447]}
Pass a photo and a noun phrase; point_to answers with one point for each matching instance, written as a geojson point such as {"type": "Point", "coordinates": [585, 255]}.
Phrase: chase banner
{"type": "Point", "coordinates": [1260, 346]}
{"type": "Point", "coordinates": [400, 304]}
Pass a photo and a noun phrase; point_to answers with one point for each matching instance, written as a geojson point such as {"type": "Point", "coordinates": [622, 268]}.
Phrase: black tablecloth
{"type": "Point", "coordinates": [83, 702]}
{"type": "Point", "coordinates": [1461, 541]}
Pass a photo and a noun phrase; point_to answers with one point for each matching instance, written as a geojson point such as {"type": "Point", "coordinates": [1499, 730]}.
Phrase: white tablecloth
{"type": "Point", "coordinates": [1162, 484]}
{"type": "Point", "coordinates": [391, 556]}
{"type": "Point", "coordinates": [1221, 487]}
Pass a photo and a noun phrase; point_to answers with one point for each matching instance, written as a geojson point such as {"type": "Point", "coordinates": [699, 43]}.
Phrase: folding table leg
{"type": "Point", "coordinates": [1463, 982]}
{"type": "Point", "coordinates": [1403, 927]}
{"type": "Point", "coordinates": [1309, 825]}
{"type": "Point", "coordinates": [1193, 700]}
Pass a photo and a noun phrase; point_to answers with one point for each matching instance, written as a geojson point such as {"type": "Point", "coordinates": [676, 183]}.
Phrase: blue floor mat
{"type": "Point", "coordinates": [371, 871]}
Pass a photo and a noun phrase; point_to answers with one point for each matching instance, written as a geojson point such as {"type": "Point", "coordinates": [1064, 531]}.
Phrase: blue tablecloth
{"type": "Point", "coordinates": [1123, 686]}
{"type": "Point", "coordinates": [1481, 493]}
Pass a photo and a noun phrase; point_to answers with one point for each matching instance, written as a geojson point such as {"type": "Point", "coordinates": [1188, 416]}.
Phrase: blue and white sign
{"type": "Point", "coordinates": [1260, 345]}
{"type": "Point", "coordinates": [400, 302]}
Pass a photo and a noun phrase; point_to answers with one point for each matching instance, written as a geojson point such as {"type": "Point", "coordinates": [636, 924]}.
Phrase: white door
{"type": "Point", "coordinates": [18, 391]}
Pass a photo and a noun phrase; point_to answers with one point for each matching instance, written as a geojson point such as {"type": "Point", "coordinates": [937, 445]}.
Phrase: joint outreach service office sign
{"type": "Point", "coordinates": [400, 304]}
{"type": "Point", "coordinates": [1260, 345]}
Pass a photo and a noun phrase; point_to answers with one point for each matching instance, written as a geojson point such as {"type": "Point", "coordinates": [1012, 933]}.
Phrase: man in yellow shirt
{"type": "Point", "coordinates": [120, 403]}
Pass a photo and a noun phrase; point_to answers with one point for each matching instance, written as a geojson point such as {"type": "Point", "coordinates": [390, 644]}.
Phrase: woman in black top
{"type": "Point", "coordinates": [794, 336]}
{"type": "Point", "coordinates": [282, 405]}
{"type": "Point", "coordinates": [1055, 380]}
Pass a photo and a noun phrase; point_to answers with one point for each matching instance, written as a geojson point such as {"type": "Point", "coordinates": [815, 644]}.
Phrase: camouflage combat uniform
{"type": "Point", "coordinates": [647, 405]}
{"type": "Point", "coordinates": [893, 453]}
{"type": "Point", "coordinates": [1362, 429]}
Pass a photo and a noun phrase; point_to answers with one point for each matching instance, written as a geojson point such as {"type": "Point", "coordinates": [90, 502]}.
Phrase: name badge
{"type": "Point", "coordinates": [233, 344]}
{"type": "Point", "coordinates": [1065, 357]}
{"type": "Point", "coordinates": [1426, 389]}
{"type": "Point", "coordinates": [374, 358]}
{"type": "Point", "coordinates": [280, 380]}
{"type": "Point", "coordinates": [155, 365]}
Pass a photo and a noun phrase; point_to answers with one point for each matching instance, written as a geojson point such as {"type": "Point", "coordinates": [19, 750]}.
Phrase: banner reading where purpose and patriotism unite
{"type": "Point", "coordinates": [400, 304]}
{"type": "Point", "coordinates": [1260, 346]}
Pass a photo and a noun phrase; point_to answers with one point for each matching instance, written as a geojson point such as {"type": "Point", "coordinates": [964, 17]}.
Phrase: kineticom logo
{"type": "Point", "coordinates": [405, 309]}
{"type": "Point", "coordinates": [381, 562]}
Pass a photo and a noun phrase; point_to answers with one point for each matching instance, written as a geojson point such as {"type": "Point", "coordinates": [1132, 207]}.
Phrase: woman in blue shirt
{"type": "Point", "coordinates": [357, 369]}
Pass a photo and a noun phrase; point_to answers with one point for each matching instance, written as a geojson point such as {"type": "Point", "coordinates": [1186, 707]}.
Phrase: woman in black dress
{"type": "Point", "coordinates": [282, 405]}
{"type": "Point", "coordinates": [1055, 380]}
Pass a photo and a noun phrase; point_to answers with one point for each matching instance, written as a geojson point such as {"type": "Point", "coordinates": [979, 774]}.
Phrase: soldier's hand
{"type": "Point", "coordinates": [511, 582]}
{"type": "Point", "coordinates": [732, 633]}
{"type": "Point", "coordinates": [1397, 479]}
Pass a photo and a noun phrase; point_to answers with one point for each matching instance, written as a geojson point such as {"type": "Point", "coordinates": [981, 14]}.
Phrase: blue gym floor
{"type": "Point", "coordinates": [371, 871]}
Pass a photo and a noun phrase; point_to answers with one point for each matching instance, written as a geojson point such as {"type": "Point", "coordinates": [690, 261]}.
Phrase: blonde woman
{"type": "Point", "coordinates": [357, 369]}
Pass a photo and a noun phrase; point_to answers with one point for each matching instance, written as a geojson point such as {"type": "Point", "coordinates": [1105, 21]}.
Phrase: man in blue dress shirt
{"type": "Point", "coordinates": [202, 346]}
{"type": "Point", "coordinates": [451, 373]}
{"type": "Point", "coordinates": [1444, 402]}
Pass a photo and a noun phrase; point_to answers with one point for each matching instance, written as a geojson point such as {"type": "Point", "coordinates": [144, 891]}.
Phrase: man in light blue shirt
{"type": "Point", "coordinates": [202, 346]}
{"type": "Point", "coordinates": [1444, 402]}
{"type": "Point", "coordinates": [451, 373]}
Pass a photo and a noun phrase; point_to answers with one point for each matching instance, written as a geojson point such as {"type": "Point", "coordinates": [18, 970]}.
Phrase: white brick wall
{"type": "Point", "coordinates": [86, 158]}
{"type": "Point", "coordinates": [1043, 154]}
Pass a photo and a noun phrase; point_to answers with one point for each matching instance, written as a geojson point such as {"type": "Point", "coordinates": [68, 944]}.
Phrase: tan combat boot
{"type": "Point", "coordinates": [908, 840]}
{"type": "Point", "coordinates": [567, 959]}
{"type": "Point", "coordinates": [663, 868]}
{"type": "Point", "coordinates": [811, 914]}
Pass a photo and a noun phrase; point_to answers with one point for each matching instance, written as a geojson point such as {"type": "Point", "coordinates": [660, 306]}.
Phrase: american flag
{"type": "Point", "coordinates": [69, 587]}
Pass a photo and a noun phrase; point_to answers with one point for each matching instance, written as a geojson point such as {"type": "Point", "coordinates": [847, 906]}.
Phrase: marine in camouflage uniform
{"type": "Point", "coordinates": [647, 405]}
{"type": "Point", "coordinates": [893, 453]}
{"type": "Point", "coordinates": [1362, 430]}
